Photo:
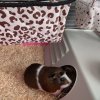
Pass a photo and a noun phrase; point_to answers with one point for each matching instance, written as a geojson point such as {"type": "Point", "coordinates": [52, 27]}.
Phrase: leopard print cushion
{"type": "Point", "coordinates": [32, 24]}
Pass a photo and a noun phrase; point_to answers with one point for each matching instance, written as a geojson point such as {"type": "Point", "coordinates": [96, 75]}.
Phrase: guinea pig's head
{"type": "Point", "coordinates": [53, 79]}
{"type": "Point", "coordinates": [58, 75]}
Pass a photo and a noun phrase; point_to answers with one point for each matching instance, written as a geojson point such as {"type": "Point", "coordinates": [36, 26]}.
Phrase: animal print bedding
{"type": "Point", "coordinates": [36, 24]}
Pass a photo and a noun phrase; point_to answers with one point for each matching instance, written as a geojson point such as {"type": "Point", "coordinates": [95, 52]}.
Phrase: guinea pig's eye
{"type": "Point", "coordinates": [52, 75]}
{"type": "Point", "coordinates": [61, 73]}
{"type": "Point", "coordinates": [62, 79]}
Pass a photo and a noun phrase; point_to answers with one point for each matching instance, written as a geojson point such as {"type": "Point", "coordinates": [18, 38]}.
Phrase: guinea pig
{"type": "Point", "coordinates": [55, 80]}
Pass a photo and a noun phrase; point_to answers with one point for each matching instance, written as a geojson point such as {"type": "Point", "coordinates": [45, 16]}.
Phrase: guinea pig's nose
{"type": "Point", "coordinates": [63, 81]}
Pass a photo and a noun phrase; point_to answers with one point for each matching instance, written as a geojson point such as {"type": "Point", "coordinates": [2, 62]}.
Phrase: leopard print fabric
{"type": "Point", "coordinates": [32, 24]}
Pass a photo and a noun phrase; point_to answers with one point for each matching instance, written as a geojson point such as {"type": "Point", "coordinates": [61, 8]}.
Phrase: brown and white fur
{"type": "Point", "coordinates": [55, 80]}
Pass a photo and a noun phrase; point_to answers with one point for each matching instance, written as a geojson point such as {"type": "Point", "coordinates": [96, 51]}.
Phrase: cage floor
{"type": "Point", "coordinates": [13, 61]}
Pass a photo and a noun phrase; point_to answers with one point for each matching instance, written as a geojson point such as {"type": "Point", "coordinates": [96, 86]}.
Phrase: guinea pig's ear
{"type": "Point", "coordinates": [67, 67]}
{"type": "Point", "coordinates": [70, 71]}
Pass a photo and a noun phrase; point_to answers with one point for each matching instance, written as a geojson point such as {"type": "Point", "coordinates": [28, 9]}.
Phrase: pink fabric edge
{"type": "Point", "coordinates": [35, 44]}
